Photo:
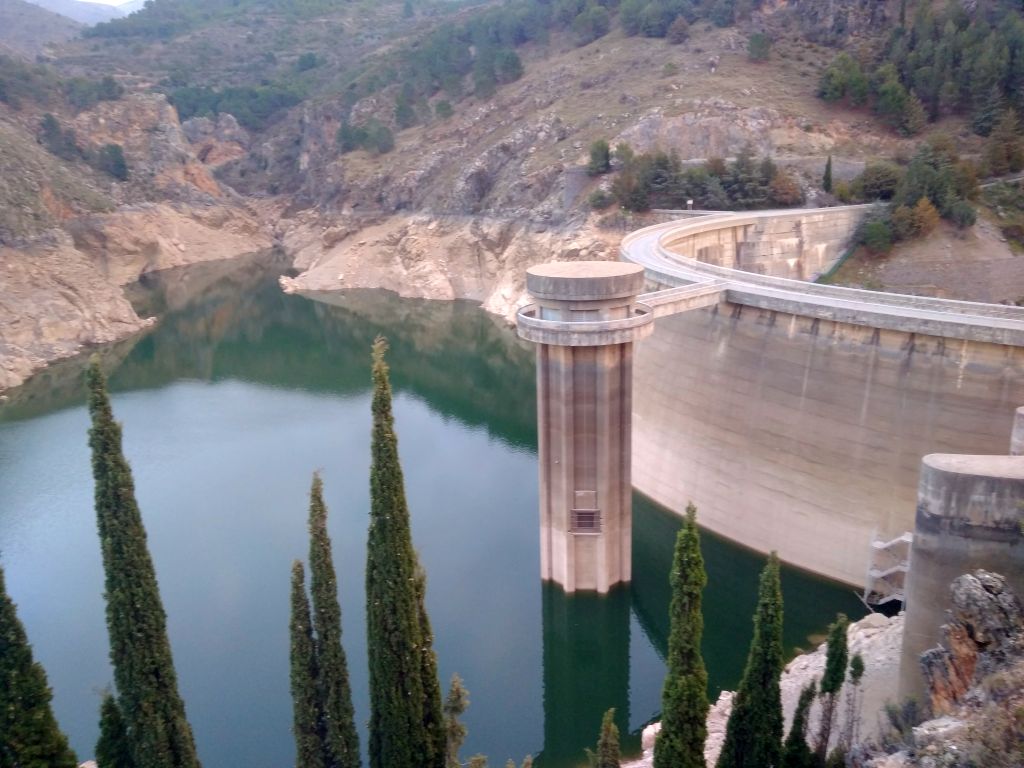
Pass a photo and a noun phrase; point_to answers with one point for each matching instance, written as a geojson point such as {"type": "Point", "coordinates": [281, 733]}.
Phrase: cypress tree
{"type": "Point", "coordinates": [29, 735]}
{"type": "Point", "coordinates": [684, 700]}
{"type": "Point", "coordinates": [338, 726]}
{"type": "Point", "coordinates": [455, 705]}
{"type": "Point", "coordinates": [158, 732]}
{"type": "Point", "coordinates": [832, 681]}
{"type": "Point", "coordinates": [306, 709]}
{"type": "Point", "coordinates": [796, 753]}
{"type": "Point", "coordinates": [826, 181]}
{"type": "Point", "coordinates": [753, 736]}
{"type": "Point", "coordinates": [406, 724]}
{"type": "Point", "coordinates": [112, 748]}
{"type": "Point", "coordinates": [607, 754]}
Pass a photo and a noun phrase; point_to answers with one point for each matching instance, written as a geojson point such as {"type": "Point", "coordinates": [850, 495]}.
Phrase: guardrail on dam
{"type": "Point", "coordinates": [795, 415]}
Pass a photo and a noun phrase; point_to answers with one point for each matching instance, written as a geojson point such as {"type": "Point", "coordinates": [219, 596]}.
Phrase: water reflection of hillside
{"type": "Point", "coordinates": [229, 320]}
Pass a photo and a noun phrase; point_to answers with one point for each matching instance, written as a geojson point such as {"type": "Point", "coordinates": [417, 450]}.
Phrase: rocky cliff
{"type": "Point", "coordinates": [975, 681]}
{"type": "Point", "coordinates": [71, 237]}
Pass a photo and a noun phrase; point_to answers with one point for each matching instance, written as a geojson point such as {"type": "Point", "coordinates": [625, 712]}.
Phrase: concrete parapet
{"type": "Point", "coordinates": [970, 515]}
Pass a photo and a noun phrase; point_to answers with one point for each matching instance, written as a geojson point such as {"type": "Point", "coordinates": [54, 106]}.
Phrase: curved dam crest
{"type": "Point", "coordinates": [795, 416]}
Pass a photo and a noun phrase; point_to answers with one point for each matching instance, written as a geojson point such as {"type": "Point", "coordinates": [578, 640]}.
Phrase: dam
{"type": "Point", "coordinates": [795, 415]}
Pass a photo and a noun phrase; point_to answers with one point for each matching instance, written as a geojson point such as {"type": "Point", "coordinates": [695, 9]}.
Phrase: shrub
{"type": "Point", "coordinates": [306, 62]}
{"type": "Point", "coordinates": [600, 158]}
{"type": "Point", "coordinates": [759, 47]}
{"type": "Point", "coordinates": [878, 181]}
{"type": "Point", "coordinates": [600, 199]}
{"type": "Point", "coordinates": [678, 31]}
{"type": "Point", "coordinates": [926, 218]}
{"type": "Point", "coordinates": [877, 237]}
{"type": "Point", "coordinates": [962, 214]}
{"type": "Point", "coordinates": [904, 226]}
{"type": "Point", "coordinates": [110, 159]}
{"type": "Point", "coordinates": [443, 109]}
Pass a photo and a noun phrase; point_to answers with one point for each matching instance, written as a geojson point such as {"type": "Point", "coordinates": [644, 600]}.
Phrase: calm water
{"type": "Point", "coordinates": [228, 406]}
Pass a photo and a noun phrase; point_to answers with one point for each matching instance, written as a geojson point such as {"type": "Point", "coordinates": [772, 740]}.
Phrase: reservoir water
{"type": "Point", "coordinates": [228, 406]}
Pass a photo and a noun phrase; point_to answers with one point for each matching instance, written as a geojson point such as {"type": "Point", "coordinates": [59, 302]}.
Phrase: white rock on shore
{"type": "Point", "coordinates": [876, 638]}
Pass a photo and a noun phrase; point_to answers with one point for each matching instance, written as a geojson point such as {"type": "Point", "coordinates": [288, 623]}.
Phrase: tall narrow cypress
{"type": "Point", "coordinates": [684, 698]}
{"type": "Point", "coordinates": [796, 753]}
{"type": "Point", "coordinates": [306, 709]}
{"type": "Point", "coordinates": [753, 735]}
{"type": "Point", "coordinates": [112, 748]}
{"type": "Point", "coordinates": [338, 724]}
{"type": "Point", "coordinates": [836, 656]}
{"type": "Point", "coordinates": [147, 686]}
{"type": "Point", "coordinates": [406, 722]}
{"type": "Point", "coordinates": [29, 736]}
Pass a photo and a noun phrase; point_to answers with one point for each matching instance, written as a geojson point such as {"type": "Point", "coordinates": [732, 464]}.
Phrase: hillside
{"type": "Point", "coordinates": [438, 148]}
{"type": "Point", "coordinates": [28, 30]}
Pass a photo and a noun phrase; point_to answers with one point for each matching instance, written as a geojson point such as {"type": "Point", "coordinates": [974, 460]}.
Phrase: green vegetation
{"type": "Point", "coordinates": [20, 81]}
{"type": "Point", "coordinates": [948, 60]}
{"type": "Point", "coordinates": [372, 136]}
{"type": "Point", "coordinates": [935, 184]}
{"type": "Point", "coordinates": [406, 722]}
{"type": "Point", "coordinates": [110, 160]}
{"type": "Point", "coordinates": [63, 143]}
{"type": "Point", "coordinates": [826, 179]}
{"type": "Point", "coordinates": [753, 736]}
{"type": "Point", "coordinates": [113, 749]}
{"type": "Point", "coordinates": [607, 753]}
{"type": "Point", "coordinates": [340, 741]}
{"type": "Point", "coordinates": [795, 752]}
{"type": "Point", "coordinates": [832, 681]}
{"type": "Point", "coordinates": [29, 736]}
{"type": "Point", "coordinates": [147, 686]}
{"type": "Point", "coordinates": [82, 93]}
{"type": "Point", "coordinates": [255, 107]}
{"type": "Point", "coordinates": [307, 715]}
{"type": "Point", "coordinates": [759, 47]}
{"type": "Point", "coordinates": [659, 180]}
{"type": "Point", "coordinates": [684, 697]}
{"type": "Point", "coordinates": [600, 158]}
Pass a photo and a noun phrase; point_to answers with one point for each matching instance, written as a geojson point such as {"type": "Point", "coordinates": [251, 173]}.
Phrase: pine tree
{"type": "Point", "coordinates": [832, 681]}
{"type": "Point", "coordinates": [406, 724]}
{"type": "Point", "coordinates": [29, 735]}
{"type": "Point", "coordinates": [140, 653]}
{"type": "Point", "coordinates": [796, 753]}
{"type": "Point", "coordinates": [338, 726]}
{"type": "Point", "coordinates": [455, 705]}
{"type": "Point", "coordinates": [607, 754]}
{"type": "Point", "coordinates": [753, 736]}
{"type": "Point", "coordinates": [113, 749]}
{"type": "Point", "coordinates": [306, 703]}
{"type": "Point", "coordinates": [684, 700]}
{"type": "Point", "coordinates": [826, 181]}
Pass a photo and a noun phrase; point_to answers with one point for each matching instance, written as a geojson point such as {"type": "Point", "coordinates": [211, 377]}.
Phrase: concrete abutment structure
{"type": "Point", "coordinates": [585, 322]}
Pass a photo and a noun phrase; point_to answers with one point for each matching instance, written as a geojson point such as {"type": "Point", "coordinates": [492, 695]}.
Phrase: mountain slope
{"type": "Point", "coordinates": [27, 29]}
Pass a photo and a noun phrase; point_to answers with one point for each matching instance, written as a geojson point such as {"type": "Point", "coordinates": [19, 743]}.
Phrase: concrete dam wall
{"type": "Point", "coordinates": [795, 416]}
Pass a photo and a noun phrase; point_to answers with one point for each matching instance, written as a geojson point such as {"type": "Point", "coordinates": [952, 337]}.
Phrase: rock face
{"type": "Point", "coordinates": [976, 683]}
{"type": "Point", "coordinates": [437, 258]}
{"type": "Point", "coordinates": [985, 633]}
{"type": "Point", "coordinates": [62, 278]}
{"type": "Point", "coordinates": [55, 301]}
